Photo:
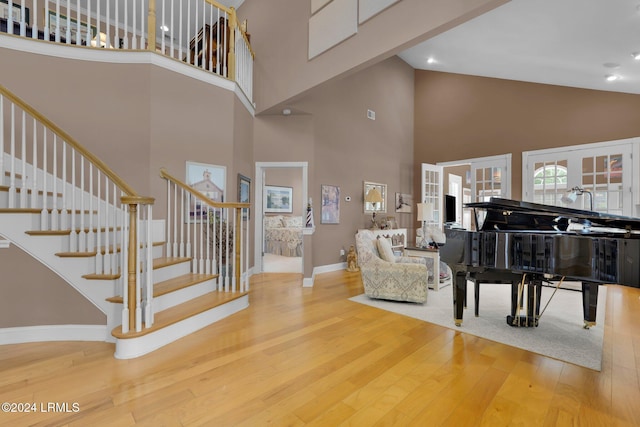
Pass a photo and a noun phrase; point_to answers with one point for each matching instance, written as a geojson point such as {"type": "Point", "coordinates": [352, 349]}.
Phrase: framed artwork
{"type": "Point", "coordinates": [244, 193]}
{"type": "Point", "coordinates": [208, 180]}
{"type": "Point", "coordinates": [16, 13]}
{"type": "Point", "coordinates": [73, 28]}
{"type": "Point", "coordinates": [379, 206]}
{"type": "Point", "coordinates": [330, 213]}
{"type": "Point", "coordinates": [404, 203]}
{"type": "Point", "coordinates": [278, 199]}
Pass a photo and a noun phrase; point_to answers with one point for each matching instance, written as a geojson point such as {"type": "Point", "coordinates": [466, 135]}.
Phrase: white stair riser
{"type": "Point", "coordinates": [168, 272]}
{"type": "Point", "coordinates": [182, 295]}
{"type": "Point", "coordinates": [135, 347]}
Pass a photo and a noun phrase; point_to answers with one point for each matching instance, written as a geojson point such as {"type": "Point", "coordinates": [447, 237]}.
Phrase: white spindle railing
{"type": "Point", "coordinates": [199, 32]}
{"type": "Point", "coordinates": [76, 194]}
{"type": "Point", "coordinates": [213, 234]}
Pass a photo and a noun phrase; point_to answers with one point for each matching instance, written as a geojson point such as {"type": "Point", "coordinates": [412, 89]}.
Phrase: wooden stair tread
{"type": "Point", "coordinates": [29, 191]}
{"type": "Point", "coordinates": [182, 311]}
{"type": "Point", "coordinates": [174, 284]}
{"type": "Point", "coordinates": [167, 261]}
{"type": "Point", "coordinates": [95, 276]}
{"type": "Point", "coordinates": [76, 254]}
{"type": "Point", "coordinates": [20, 210]}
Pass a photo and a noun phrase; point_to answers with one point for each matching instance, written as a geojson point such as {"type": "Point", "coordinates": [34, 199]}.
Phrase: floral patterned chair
{"type": "Point", "coordinates": [390, 277]}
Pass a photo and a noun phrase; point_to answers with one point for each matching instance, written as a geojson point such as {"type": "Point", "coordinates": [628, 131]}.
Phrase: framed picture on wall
{"type": "Point", "coordinates": [404, 202]}
{"type": "Point", "coordinates": [330, 204]}
{"type": "Point", "coordinates": [278, 199]}
{"type": "Point", "coordinates": [244, 193]}
{"type": "Point", "coordinates": [208, 180]}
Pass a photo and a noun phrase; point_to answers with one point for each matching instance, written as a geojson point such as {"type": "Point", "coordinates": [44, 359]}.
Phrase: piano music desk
{"type": "Point", "coordinates": [433, 254]}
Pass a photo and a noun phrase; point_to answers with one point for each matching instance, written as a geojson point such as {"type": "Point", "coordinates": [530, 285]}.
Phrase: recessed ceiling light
{"type": "Point", "coordinates": [611, 65]}
{"type": "Point", "coordinates": [164, 28]}
{"type": "Point", "coordinates": [286, 112]}
{"type": "Point", "coordinates": [430, 60]}
{"type": "Point", "coordinates": [636, 56]}
{"type": "Point", "coordinates": [612, 77]}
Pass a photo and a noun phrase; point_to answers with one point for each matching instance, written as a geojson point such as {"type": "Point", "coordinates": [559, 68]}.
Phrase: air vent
{"type": "Point", "coordinates": [371, 115]}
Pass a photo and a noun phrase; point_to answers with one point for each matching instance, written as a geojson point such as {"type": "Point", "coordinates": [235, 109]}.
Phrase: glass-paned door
{"type": "Point", "coordinates": [490, 178]}
{"type": "Point", "coordinates": [584, 177]}
{"type": "Point", "coordinates": [431, 192]}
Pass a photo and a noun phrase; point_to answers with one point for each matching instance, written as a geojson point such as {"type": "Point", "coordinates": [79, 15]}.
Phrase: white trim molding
{"type": "Point", "coordinates": [43, 333]}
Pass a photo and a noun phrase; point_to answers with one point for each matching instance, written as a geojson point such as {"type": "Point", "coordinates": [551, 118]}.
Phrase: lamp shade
{"type": "Point", "coordinates": [425, 212]}
{"type": "Point", "coordinates": [373, 196]}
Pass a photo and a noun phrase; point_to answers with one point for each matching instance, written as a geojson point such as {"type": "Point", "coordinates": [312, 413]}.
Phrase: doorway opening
{"type": "Point", "coordinates": [280, 204]}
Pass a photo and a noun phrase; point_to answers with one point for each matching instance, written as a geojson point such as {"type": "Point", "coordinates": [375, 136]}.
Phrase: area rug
{"type": "Point", "coordinates": [560, 333]}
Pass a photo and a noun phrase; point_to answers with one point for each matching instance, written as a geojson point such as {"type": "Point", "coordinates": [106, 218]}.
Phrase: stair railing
{"type": "Point", "coordinates": [77, 194]}
{"type": "Point", "coordinates": [214, 234]}
{"type": "Point", "coordinates": [203, 33]}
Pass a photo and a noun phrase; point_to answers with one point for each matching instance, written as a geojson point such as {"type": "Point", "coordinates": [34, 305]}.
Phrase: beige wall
{"type": "Point", "coordinates": [31, 295]}
{"type": "Point", "coordinates": [279, 36]}
{"type": "Point", "coordinates": [461, 117]}
{"type": "Point", "coordinates": [344, 148]}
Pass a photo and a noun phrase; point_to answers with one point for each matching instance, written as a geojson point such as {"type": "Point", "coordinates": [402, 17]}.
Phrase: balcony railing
{"type": "Point", "coordinates": [202, 33]}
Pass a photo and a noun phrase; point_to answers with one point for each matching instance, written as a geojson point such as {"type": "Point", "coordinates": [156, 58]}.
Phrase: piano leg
{"type": "Point", "coordinates": [459, 282]}
{"type": "Point", "coordinates": [589, 303]}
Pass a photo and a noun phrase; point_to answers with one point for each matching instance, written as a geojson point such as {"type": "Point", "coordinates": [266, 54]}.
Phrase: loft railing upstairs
{"type": "Point", "coordinates": [202, 33]}
{"type": "Point", "coordinates": [46, 171]}
{"type": "Point", "coordinates": [214, 234]}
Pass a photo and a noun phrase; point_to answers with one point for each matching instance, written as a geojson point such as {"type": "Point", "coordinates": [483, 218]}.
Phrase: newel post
{"type": "Point", "coordinates": [133, 289]}
{"type": "Point", "coordinates": [231, 60]}
{"type": "Point", "coordinates": [151, 22]}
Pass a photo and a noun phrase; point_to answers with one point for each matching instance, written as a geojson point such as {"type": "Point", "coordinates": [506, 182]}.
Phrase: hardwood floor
{"type": "Point", "coordinates": [308, 356]}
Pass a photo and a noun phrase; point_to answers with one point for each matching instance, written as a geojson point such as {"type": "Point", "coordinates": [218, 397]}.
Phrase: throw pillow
{"type": "Point", "coordinates": [386, 252]}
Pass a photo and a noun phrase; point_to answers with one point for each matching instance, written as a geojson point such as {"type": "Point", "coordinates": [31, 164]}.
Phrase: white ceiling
{"type": "Point", "coordinates": [561, 42]}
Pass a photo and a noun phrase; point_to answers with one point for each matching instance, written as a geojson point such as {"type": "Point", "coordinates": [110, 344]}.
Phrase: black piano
{"type": "Point", "coordinates": [529, 244]}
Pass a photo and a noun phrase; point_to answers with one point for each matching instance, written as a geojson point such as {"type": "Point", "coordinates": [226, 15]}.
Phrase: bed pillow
{"type": "Point", "coordinates": [292, 221]}
{"type": "Point", "coordinates": [386, 252]}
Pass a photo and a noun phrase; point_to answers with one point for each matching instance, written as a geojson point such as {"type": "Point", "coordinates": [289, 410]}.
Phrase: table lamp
{"type": "Point", "coordinates": [374, 197]}
{"type": "Point", "coordinates": [425, 214]}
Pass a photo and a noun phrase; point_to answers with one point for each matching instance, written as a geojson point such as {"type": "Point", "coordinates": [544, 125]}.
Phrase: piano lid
{"type": "Point", "coordinates": [506, 214]}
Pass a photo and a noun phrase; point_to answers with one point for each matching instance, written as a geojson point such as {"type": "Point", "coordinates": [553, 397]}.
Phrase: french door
{"type": "Point", "coordinates": [598, 176]}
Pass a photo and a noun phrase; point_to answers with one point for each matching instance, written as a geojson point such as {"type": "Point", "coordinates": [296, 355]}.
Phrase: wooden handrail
{"type": "Point", "coordinates": [122, 185]}
{"type": "Point", "coordinates": [166, 175]}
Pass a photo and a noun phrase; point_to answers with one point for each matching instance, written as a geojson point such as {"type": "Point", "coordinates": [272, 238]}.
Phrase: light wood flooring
{"type": "Point", "coordinates": [308, 356]}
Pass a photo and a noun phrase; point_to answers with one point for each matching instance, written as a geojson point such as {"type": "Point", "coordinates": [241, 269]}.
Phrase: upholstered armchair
{"type": "Point", "coordinates": [386, 276]}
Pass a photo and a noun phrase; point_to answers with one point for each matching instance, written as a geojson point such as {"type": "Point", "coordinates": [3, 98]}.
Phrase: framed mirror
{"type": "Point", "coordinates": [376, 200]}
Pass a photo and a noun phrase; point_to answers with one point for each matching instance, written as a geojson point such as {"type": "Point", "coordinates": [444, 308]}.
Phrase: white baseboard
{"type": "Point", "coordinates": [26, 334]}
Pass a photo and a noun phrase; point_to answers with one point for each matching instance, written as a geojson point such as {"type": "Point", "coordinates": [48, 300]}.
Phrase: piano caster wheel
{"type": "Point", "coordinates": [458, 323]}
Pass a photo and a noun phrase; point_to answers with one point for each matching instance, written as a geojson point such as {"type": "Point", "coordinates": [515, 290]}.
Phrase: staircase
{"type": "Point", "coordinates": [155, 280]}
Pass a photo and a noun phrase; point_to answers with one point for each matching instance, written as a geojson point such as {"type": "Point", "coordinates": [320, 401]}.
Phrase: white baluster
{"type": "Point", "coordinates": [23, 19]}
{"type": "Point", "coordinates": [10, 18]}
{"type": "Point", "coordinates": [99, 256]}
{"type": "Point", "coordinates": [2, 166]}
{"type": "Point", "coordinates": [227, 243]}
{"type": "Point", "coordinates": [34, 166]}
{"type": "Point", "coordinates": [142, 22]}
{"type": "Point", "coordinates": [168, 236]}
{"type": "Point", "coordinates": [107, 232]}
{"type": "Point", "coordinates": [44, 214]}
{"type": "Point", "coordinates": [116, 37]}
{"type": "Point", "coordinates": [186, 202]}
{"type": "Point", "coordinates": [107, 25]}
{"type": "Point", "coordinates": [88, 35]}
{"type": "Point", "coordinates": [135, 26]}
{"type": "Point", "coordinates": [12, 165]}
{"type": "Point", "coordinates": [34, 26]}
{"type": "Point", "coordinates": [180, 32]}
{"type": "Point", "coordinates": [23, 158]}
{"type": "Point", "coordinates": [54, 190]}
{"type": "Point", "coordinates": [78, 20]}
{"type": "Point", "coordinates": [82, 247]}
{"type": "Point", "coordinates": [64, 212]}
{"type": "Point", "coordinates": [125, 27]}
{"type": "Point", "coordinates": [181, 223]}
{"type": "Point", "coordinates": [73, 244]}
{"type": "Point", "coordinates": [175, 221]}
{"type": "Point", "coordinates": [91, 235]}
{"type": "Point", "coordinates": [173, 26]}
{"type": "Point", "coordinates": [68, 32]}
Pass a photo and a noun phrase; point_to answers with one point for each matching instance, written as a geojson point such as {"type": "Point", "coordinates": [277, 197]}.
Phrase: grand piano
{"type": "Point", "coordinates": [528, 244]}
